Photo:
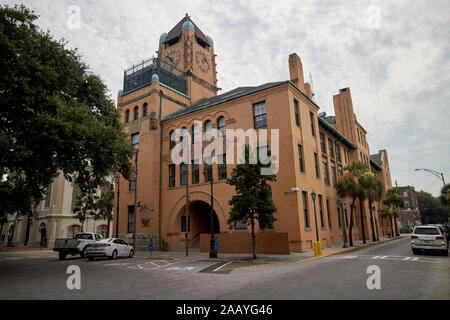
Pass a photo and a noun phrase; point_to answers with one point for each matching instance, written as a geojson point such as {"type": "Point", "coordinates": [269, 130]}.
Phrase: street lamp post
{"type": "Point", "coordinates": [113, 180]}
{"type": "Point", "coordinates": [344, 231]}
{"type": "Point", "coordinates": [186, 234]}
{"type": "Point", "coordinates": [439, 175]}
{"type": "Point", "coordinates": [317, 244]}
{"type": "Point", "coordinates": [208, 175]}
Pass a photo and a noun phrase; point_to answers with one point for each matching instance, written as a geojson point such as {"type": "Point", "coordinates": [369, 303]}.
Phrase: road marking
{"type": "Point", "coordinates": [216, 269]}
{"type": "Point", "coordinates": [349, 257]}
{"type": "Point", "coordinates": [117, 264]}
{"type": "Point", "coordinates": [180, 268]}
{"type": "Point", "coordinates": [376, 257]}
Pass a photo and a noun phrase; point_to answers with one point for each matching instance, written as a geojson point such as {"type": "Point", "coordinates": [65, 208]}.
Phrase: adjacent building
{"type": "Point", "coordinates": [177, 89]}
{"type": "Point", "coordinates": [409, 213]}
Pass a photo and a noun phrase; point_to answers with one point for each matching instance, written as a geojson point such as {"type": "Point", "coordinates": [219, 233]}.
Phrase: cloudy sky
{"type": "Point", "coordinates": [395, 57]}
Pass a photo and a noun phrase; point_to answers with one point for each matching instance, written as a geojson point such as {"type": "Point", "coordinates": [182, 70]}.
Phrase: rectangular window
{"type": "Point", "coordinates": [171, 175]}
{"type": "Point", "coordinates": [183, 174]}
{"type": "Point", "coordinates": [333, 173]}
{"type": "Point", "coordinates": [300, 158]}
{"type": "Point", "coordinates": [340, 172]}
{"type": "Point", "coordinates": [322, 224]}
{"type": "Point", "coordinates": [297, 117]}
{"type": "Point", "coordinates": [183, 223]}
{"type": "Point", "coordinates": [316, 163]}
{"type": "Point", "coordinates": [208, 167]}
{"type": "Point", "coordinates": [339, 216]}
{"type": "Point", "coordinates": [223, 168]}
{"type": "Point", "coordinates": [338, 152]}
{"type": "Point", "coordinates": [195, 172]}
{"type": "Point", "coordinates": [322, 143]}
{"type": "Point", "coordinates": [326, 176]}
{"type": "Point", "coordinates": [311, 118]}
{"type": "Point", "coordinates": [305, 209]}
{"type": "Point", "coordinates": [259, 115]}
{"type": "Point", "coordinates": [330, 148]}
{"type": "Point", "coordinates": [240, 225]}
{"type": "Point", "coordinates": [328, 214]}
{"type": "Point", "coordinates": [135, 140]}
{"type": "Point", "coordinates": [131, 220]}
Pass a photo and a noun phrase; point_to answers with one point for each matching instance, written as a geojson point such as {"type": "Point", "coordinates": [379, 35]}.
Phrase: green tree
{"type": "Point", "coordinates": [55, 114]}
{"type": "Point", "coordinates": [387, 213]}
{"type": "Point", "coordinates": [444, 198]}
{"type": "Point", "coordinates": [431, 209]}
{"type": "Point", "coordinates": [348, 185]}
{"type": "Point", "coordinates": [253, 199]}
{"type": "Point", "coordinates": [371, 186]}
{"type": "Point", "coordinates": [394, 201]}
{"type": "Point", "coordinates": [85, 206]}
{"type": "Point", "coordinates": [105, 207]}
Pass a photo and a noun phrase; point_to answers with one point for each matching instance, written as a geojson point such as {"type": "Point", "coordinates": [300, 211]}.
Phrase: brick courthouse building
{"type": "Point", "coordinates": [178, 89]}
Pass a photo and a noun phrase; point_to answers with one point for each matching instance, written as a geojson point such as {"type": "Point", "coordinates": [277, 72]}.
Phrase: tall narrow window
{"type": "Point", "coordinates": [333, 173]}
{"type": "Point", "coordinates": [339, 216]}
{"type": "Point", "coordinates": [322, 143]}
{"type": "Point", "coordinates": [338, 153]}
{"type": "Point", "coordinates": [208, 130]}
{"type": "Point", "coordinates": [331, 148]}
{"type": "Point", "coordinates": [328, 214]}
{"type": "Point", "coordinates": [221, 126]}
{"type": "Point", "coordinates": [346, 217]}
{"type": "Point", "coordinates": [172, 139]}
{"type": "Point", "coordinates": [300, 158]}
{"type": "Point", "coordinates": [195, 172]}
{"type": "Point", "coordinates": [305, 209]}
{"type": "Point", "coordinates": [322, 224]}
{"type": "Point", "coordinates": [259, 115]}
{"type": "Point", "coordinates": [135, 140]}
{"type": "Point", "coordinates": [184, 134]}
{"type": "Point", "coordinates": [311, 118]}
{"type": "Point", "coordinates": [183, 174]}
{"type": "Point", "coordinates": [171, 175]}
{"type": "Point", "coordinates": [223, 168]}
{"type": "Point", "coordinates": [316, 163]}
{"type": "Point", "coordinates": [131, 219]}
{"type": "Point", "coordinates": [145, 109]}
{"type": "Point", "coordinates": [326, 176]}
{"type": "Point", "coordinates": [127, 116]}
{"type": "Point", "coordinates": [196, 133]}
{"type": "Point", "coordinates": [297, 117]}
{"type": "Point", "coordinates": [136, 113]}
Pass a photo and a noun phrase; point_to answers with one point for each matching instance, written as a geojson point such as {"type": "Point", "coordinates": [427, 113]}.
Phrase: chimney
{"type": "Point", "coordinates": [345, 115]}
{"type": "Point", "coordinates": [296, 71]}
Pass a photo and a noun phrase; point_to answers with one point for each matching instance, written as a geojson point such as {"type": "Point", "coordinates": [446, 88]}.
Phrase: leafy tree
{"type": "Point", "coordinates": [55, 114]}
{"type": "Point", "coordinates": [431, 209]}
{"type": "Point", "coordinates": [444, 198]}
{"type": "Point", "coordinates": [348, 185]}
{"type": "Point", "coordinates": [394, 201]}
{"type": "Point", "coordinates": [85, 206]}
{"type": "Point", "coordinates": [387, 213]}
{"type": "Point", "coordinates": [253, 199]}
{"type": "Point", "coordinates": [371, 186]}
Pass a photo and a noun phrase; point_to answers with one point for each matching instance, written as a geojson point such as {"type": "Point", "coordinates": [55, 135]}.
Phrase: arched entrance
{"type": "Point", "coordinates": [199, 220]}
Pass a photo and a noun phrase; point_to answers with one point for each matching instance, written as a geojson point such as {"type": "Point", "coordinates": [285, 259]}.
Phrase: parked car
{"type": "Point", "coordinates": [111, 248]}
{"type": "Point", "coordinates": [429, 238]}
{"type": "Point", "coordinates": [75, 245]}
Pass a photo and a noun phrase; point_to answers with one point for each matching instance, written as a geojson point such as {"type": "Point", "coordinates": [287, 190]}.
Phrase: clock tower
{"type": "Point", "coordinates": [186, 49]}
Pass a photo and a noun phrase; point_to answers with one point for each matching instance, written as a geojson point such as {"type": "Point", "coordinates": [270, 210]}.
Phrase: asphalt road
{"type": "Point", "coordinates": [40, 275]}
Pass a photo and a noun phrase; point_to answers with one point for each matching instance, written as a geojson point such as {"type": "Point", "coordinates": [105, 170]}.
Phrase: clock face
{"type": "Point", "coordinates": [202, 60]}
{"type": "Point", "coordinates": [173, 56]}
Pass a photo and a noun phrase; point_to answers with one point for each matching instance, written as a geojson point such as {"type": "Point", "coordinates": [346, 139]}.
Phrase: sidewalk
{"type": "Point", "coordinates": [22, 249]}
{"type": "Point", "coordinates": [195, 254]}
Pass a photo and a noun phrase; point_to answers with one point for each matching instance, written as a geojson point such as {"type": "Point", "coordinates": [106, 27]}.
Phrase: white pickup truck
{"type": "Point", "coordinates": [75, 245]}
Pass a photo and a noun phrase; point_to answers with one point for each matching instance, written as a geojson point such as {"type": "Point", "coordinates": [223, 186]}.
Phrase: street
{"type": "Point", "coordinates": [40, 275]}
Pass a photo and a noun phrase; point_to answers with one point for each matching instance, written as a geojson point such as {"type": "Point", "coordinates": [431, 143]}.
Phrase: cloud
{"type": "Point", "coordinates": [399, 73]}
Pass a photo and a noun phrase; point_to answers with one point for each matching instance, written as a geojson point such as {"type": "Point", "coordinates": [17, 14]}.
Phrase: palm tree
{"type": "Point", "coordinates": [379, 192]}
{"type": "Point", "coordinates": [386, 213]}
{"type": "Point", "coordinates": [348, 185]}
{"type": "Point", "coordinates": [369, 182]}
{"type": "Point", "coordinates": [394, 201]}
{"type": "Point", "coordinates": [105, 207]}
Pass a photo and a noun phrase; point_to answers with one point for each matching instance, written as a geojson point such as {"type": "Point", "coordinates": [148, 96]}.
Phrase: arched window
{"type": "Point", "coordinates": [196, 133]}
{"type": "Point", "coordinates": [221, 126]}
{"type": "Point", "coordinates": [184, 134]}
{"type": "Point", "coordinates": [127, 116]}
{"type": "Point", "coordinates": [136, 113]}
{"type": "Point", "coordinates": [208, 130]}
{"type": "Point", "coordinates": [172, 139]}
{"type": "Point", "coordinates": [144, 109]}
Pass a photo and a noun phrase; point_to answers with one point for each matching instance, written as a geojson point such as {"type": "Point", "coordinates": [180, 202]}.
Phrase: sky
{"type": "Point", "coordinates": [394, 57]}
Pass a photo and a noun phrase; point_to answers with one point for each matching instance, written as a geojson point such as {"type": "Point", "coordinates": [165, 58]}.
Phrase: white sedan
{"type": "Point", "coordinates": [111, 248]}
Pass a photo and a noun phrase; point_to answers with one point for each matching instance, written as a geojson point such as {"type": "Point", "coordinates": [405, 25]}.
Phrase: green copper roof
{"type": "Point", "coordinates": [187, 25]}
{"type": "Point", "coordinates": [155, 78]}
{"type": "Point", "coordinates": [163, 37]}
{"type": "Point", "coordinates": [210, 40]}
